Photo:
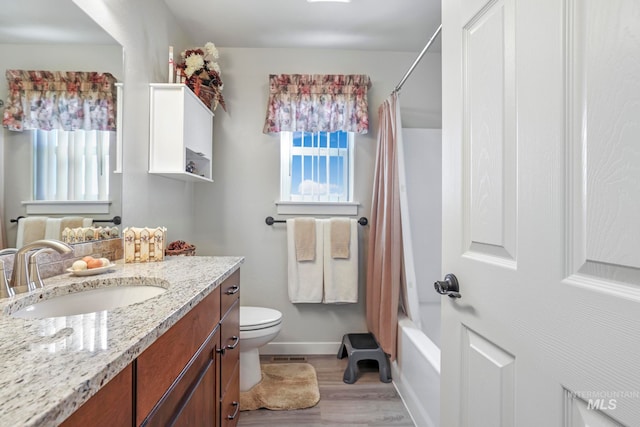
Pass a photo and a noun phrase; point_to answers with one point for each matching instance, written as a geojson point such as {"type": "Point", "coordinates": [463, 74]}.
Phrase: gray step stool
{"type": "Point", "coordinates": [363, 347]}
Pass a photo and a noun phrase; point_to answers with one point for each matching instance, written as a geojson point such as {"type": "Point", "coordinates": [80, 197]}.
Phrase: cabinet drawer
{"type": "Point", "coordinates": [161, 364]}
{"type": "Point", "coordinates": [229, 292]}
{"type": "Point", "coordinates": [230, 342]}
{"type": "Point", "coordinates": [230, 406]}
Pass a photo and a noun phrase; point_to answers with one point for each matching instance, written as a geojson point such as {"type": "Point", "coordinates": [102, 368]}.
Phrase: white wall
{"type": "Point", "coordinates": [145, 29]}
{"type": "Point", "coordinates": [230, 212]}
{"type": "Point", "coordinates": [227, 217]}
{"type": "Point", "coordinates": [423, 201]}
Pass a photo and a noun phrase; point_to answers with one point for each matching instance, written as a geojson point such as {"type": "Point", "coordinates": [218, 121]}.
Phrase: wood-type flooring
{"type": "Point", "coordinates": [367, 402]}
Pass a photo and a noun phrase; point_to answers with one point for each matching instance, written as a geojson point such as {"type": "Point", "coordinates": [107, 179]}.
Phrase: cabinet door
{"type": "Point", "coordinates": [198, 125]}
{"type": "Point", "coordinates": [192, 399]}
{"type": "Point", "coordinates": [200, 409]}
{"type": "Point", "coordinates": [163, 363]}
{"type": "Point", "coordinates": [112, 406]}
{"type": "Point", "coordinates": [181, 132]}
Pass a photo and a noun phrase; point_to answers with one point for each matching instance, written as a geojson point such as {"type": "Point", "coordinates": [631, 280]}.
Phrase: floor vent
{"type": "Point", "coordinates": [288, 358]}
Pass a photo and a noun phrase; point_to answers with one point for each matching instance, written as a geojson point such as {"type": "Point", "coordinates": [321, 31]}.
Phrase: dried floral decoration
{"type": "Point", "coordinates": [200, 71]}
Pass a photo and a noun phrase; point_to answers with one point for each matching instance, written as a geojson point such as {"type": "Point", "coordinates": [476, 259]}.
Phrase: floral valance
{"type": "Point", "coordinates": [317, 103]}
{"type": "Point", "coordinates": [67, 100]}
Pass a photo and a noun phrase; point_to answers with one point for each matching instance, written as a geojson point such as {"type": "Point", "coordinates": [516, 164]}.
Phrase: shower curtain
{"type": "Point", "coordinates": [384, 261]}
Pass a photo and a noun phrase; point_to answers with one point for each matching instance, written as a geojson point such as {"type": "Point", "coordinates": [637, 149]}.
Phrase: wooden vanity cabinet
{"type": "Point", "coordinates": [207, 391]}
{"type": "Point", "coordinates": [188, 377]}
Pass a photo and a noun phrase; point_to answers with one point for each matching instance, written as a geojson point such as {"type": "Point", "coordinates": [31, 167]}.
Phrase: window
{"type": "Point", "coordinates": [71, 165]}
{"type": "Point", "coordinates": [316, 166]}
{"type": "Point", "coordinates": [317, 117]}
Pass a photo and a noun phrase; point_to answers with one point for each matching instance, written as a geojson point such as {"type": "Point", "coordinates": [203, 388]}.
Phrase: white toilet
{"type": "Point", "coordinates": [258, 326]}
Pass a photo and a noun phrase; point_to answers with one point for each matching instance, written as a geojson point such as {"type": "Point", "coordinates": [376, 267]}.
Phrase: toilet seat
{"type": "Point", "coordinates": [256, 318]}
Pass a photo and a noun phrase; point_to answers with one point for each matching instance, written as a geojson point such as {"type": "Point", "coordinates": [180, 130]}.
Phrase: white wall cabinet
{"type": "Point", "coordinates": [181, 132]}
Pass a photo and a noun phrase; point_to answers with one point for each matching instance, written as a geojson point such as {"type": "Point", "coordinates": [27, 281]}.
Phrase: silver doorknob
{"type": "Point", "coordinates": [449, 286]}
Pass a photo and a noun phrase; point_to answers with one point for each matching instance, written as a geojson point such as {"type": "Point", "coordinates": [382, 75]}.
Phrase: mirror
{"type": "Point", "coordinates": [54, 36]}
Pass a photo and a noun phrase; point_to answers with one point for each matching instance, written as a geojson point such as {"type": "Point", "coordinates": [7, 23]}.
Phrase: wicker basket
{"type": "Point", "coordinates": [181, 252]}
{"type": "Point", "coordinates": [207, 96]}
{"type": "Point", "coordinates": [203, 91]}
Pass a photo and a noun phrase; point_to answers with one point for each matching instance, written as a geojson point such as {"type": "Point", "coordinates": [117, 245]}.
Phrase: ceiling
{"type": "Point", "coordinates": [48, 21]}
{"type": "Point", "coordinates": [392, 25]}
{"type": "Point", "coordinates": [386, 25]}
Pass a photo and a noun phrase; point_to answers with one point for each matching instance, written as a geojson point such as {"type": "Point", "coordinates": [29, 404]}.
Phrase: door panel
{"type": "Point", "coordinates": [604, 125]}
{"type": "Point", "coordinates": [489, 139]}
{"type": "Point", "coordinates": [489, 379]}
{"type": "Point", "coordinates": [541, 200]}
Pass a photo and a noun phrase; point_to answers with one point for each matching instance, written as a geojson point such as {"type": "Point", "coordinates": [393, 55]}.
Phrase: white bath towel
{"type": "Point", "coordinates": [341, 274]}
{"type": "Point", "coordinates": [30, 229]}
{"type": "Point", "coordinates": [304, 278]}
{"type": "Point", "coordinates": [53, 229]}
{"type": "Point", "coordinates": [55, 226]}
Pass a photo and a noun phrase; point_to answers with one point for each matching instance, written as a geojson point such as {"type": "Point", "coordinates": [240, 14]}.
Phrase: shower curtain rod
{"type": "Point", "coordinates": [408, 73]}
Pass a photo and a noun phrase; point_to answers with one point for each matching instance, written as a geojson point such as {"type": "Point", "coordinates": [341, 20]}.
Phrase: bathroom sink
{"type": "Point", "coordinates": [89, 301]}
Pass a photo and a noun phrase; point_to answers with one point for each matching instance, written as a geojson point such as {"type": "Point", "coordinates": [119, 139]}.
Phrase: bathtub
{"type": "Point", "coordinates": [416, 373]}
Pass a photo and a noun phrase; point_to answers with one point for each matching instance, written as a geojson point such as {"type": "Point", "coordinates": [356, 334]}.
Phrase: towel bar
{"type": "Point", "coordinates": [116, 220]}
{"type": "Point", "coordinates": [270, 221]}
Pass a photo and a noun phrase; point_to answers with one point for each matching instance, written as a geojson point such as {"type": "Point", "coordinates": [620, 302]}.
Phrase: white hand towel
{"type": "Point", "coordinates": [304, 278]}
{"type": "Point", "coordinates": [304, 230]}
{"type": "Point", "coordinates": [341, 274]}
{"type": "Point", "coordinates": [30, 229]}
{"type": "Point", "coordinates": [339, 237]}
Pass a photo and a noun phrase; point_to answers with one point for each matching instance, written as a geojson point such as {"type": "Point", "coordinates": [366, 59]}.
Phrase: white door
{"type": "Point", "coordinates": [541, 212]}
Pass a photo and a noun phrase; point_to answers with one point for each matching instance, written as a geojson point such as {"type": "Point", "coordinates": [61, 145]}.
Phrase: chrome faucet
{"type": "Point", "coordinates": [6, 291]}
{"type": "Point", "coordinates": [35, 281]}
{"type": "Point", "coordinates": [20, 279]}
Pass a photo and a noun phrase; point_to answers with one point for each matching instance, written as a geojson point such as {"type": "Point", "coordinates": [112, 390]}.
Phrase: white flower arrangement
{"type": "Point", "coordinates": [200, 69]}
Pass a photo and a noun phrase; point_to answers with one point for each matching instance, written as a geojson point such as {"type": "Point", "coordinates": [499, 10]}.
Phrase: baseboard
{"type": "Point", "coordinates": [300, 348]}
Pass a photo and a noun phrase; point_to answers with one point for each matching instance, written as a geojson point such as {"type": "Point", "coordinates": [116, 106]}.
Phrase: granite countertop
{"type": "Point", "coordinates": [50, 367]}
